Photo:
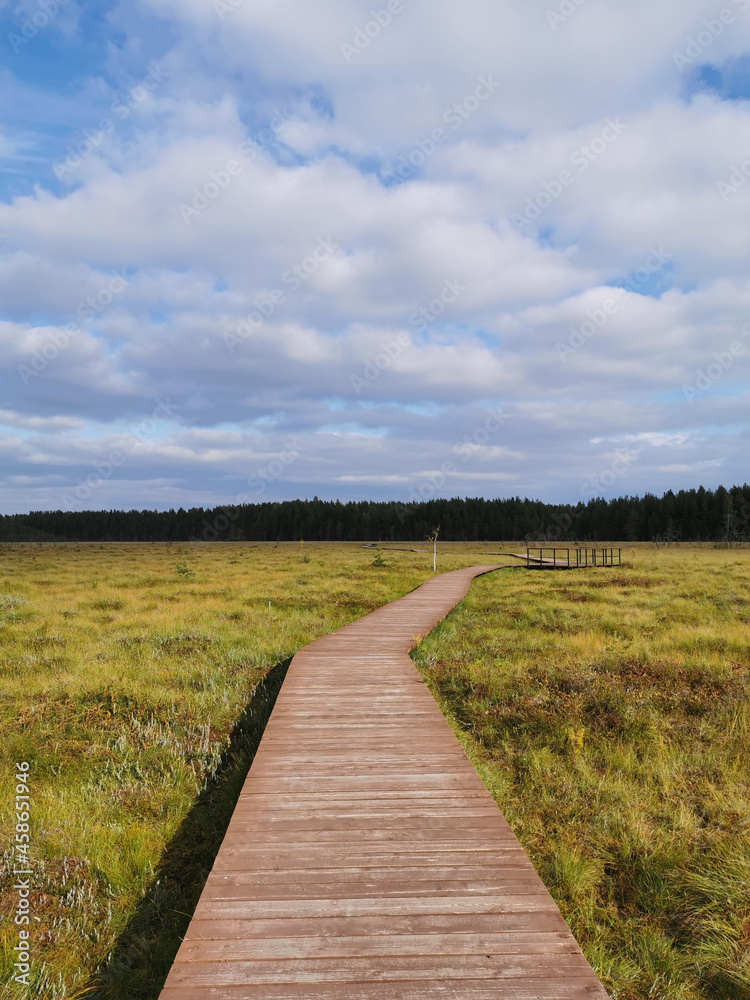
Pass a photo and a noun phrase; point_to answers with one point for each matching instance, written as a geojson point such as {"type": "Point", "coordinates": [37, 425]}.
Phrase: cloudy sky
{"type": "Point", "coordinates": [262, 249]}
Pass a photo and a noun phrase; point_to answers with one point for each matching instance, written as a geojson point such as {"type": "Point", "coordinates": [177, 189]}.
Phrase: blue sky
{"type": "Point", "coordinates": [263, 249]}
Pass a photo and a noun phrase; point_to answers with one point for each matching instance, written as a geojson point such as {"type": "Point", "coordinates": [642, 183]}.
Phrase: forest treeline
{"type": "Point", "coordinates": [721, 515]}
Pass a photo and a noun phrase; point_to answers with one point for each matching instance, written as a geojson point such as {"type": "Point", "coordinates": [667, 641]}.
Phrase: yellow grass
{"type": "Point", "coordinates": [606, 710]}
{"type": "Point", "coordinates": [125, 673]}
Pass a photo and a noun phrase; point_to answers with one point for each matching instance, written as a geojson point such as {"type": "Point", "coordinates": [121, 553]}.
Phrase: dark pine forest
{"type": "Point", "coordinates": [720, 516]}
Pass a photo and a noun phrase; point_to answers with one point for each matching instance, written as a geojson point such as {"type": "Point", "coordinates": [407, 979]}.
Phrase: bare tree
{"type": "Point", "coordinates": [433, 538]}
{"type": "Point", "coordinates": [730, 521]}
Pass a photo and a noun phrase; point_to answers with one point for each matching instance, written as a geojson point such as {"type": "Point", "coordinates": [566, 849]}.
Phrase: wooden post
{"type": "Point", "coordinates": [433, 538]}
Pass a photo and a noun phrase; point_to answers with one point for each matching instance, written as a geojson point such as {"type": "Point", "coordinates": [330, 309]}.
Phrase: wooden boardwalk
{"type": "Point", "coordinates": [365, 859]}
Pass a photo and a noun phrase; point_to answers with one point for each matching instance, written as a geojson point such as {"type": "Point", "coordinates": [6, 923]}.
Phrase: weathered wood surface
{"type": "Point", "coordinates": [546, 561]}
{"type": "Point", "coordinates": [365, 859]}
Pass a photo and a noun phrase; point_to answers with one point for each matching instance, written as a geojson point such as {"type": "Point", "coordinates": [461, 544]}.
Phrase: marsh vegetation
{"type": "Point", "coordinates": [607, 710]}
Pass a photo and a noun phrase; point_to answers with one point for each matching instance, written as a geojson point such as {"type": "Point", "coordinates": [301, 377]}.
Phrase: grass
{"type": "Point", "coordinates": [608, 711]}
{"type": "Point", "coordinates": [135, 680]}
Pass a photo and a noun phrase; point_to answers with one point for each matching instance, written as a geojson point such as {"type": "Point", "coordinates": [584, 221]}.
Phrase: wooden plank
{"type": "Point", "coordinates": [574, 988]}
{"type": "Point", "coordinates": [397, 889]}
{"type": "Point", "coordinates": [322, 909]}
{"type": "Point", "coordinates": [338, 838]}
{"type": "Point", "coordinates": [512, 870]}
{"type": "Point", "coordinates": [286, 799]}
{"type": "Point", "coordinates": [512, 943]}
{"type": "Point", "coordinates": [264, 859]}
{"type": "Point", "coordinates": [531, 965]}
{"type": "Point", "coordinates": [216, 929]}
{"type": "Point", "coordinates": [365, 859]}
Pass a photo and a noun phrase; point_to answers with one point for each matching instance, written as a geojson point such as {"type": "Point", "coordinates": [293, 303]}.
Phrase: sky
{"type": "Point", "coordinates": [257, 250]}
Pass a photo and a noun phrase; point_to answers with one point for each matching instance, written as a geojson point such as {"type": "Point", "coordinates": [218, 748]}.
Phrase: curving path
{"type": "Point", "coordinates": [365, 860]}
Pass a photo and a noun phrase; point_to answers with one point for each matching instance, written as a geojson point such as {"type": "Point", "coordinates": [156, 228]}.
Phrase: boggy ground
{"type": "Point", "coordinates": [608, 710]}
{"type": "Point", "coordinates": [132, 682]}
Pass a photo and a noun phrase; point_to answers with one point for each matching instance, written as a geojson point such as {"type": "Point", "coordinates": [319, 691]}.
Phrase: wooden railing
{"type": "Point", "coordinates": [575, 558]}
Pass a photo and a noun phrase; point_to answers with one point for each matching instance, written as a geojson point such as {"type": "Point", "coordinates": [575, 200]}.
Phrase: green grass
{"type": "Point", "coordinates": [608, 711]}
{"type": "Point", "coordinates": [131, 680]}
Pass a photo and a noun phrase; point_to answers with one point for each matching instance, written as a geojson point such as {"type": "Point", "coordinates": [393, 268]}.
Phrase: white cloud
{"type": "Point", "coordinates": [647, 194]}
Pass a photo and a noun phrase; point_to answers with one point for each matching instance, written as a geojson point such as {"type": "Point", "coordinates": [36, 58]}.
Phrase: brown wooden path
{"type": "Point", "coordinates": [365, 859]}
